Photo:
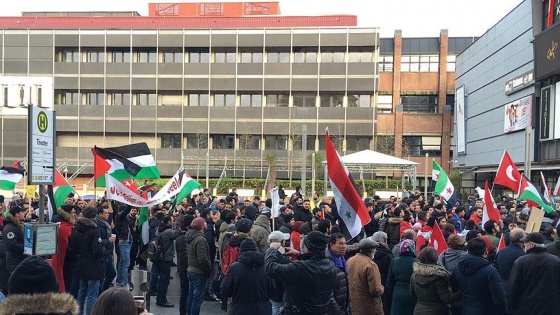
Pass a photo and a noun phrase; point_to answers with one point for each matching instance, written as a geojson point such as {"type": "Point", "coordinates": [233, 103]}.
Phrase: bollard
{"type": "Point", "coordinates": [140, 280]}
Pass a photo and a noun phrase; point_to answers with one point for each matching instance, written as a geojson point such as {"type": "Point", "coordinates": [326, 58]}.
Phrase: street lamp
{"type": "Point", "coordinates": [65, 171]}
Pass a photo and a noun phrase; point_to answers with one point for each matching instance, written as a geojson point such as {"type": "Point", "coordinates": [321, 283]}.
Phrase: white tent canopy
{"type": "Point", "coordinates": [375, 158]}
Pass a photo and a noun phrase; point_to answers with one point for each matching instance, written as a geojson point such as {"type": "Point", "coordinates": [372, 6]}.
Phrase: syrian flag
{"type": "Point", "coordinates": [351, 209]}
{"type": "Point", "coordinates": [547, 196]}
{"type": "Point", "coordinates": [443, 187]}
{"type": "Point", "coordinates": [508, 175]}
{"type": "Point", "coordinates": [10, 176]}
{"type": "Point", "coordinates": [58, 192]}
{"type": "Point", "coordinates": [128, 161]}
{"type": "Point", "coordinates": [528, 192]}
{"type": "Point", "coordinates": [556, 191]}
{"type": "Point", "coordinates": [437, 240]}
{"type": "Point", "coordinates": [501, 244]}
{"type": "Point", "coordinates": [490, 210]}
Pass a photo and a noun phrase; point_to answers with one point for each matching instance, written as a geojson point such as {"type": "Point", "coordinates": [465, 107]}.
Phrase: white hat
{"type": "Point", "coordinates": [278, 236]}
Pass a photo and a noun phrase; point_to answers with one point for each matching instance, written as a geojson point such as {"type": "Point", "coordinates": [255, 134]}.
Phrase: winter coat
{"type": "Point", "coordinates": [309, 282]}
{"type": "Point", "coordinates": [167, 236]}
{"type": "Point", "coordinates": [365, 286]}
{"type": "Point", "coordinates": [182, 258]}
{"type": "Point", "coordinates": [382, 259]}
{"type": "Point", "coordinates": [303, 215]}
{"type": "Point", "coordinates": [430, 285]}
{"type": "Point", "coordinates": [398, 281]}
{"type": "Point", "coordinates": [44, 303]}
{"type": "Point", "coordinates": [89, 249]}
{"type": "Point", "coordinates": [13, 239]}
{"type": "Point", "coordinates": [210, 236]}
{"type": "Point", "coordinates": [341, 290]}
{"type": "Point", "coordinates": [104, 232]}
{"type": "Point", "coordinates": [122, 226]}
{"type": "Point", "coordinates": [554, 248]}
{"type": "Point", "coordinates": [246, 282]}
{"type": "Point", "coordinates": [533, 284]}
{"type": "Point", "coordinates": [279, 286]}
{"type": "Point", "coordinates": [261, 230]}
{"type": "Point", "coordinates": [197, 252]}
{"type": "Point", "coordinates": [450, 258]}
{"type": "Point", "coordinates": [480, 286]}
{"type": "Point", "coordinates": [63, 238]}
{"type": "Point", "coordinates": [393, 231]}
{"type": "Point", "coordinates": [505, 259]}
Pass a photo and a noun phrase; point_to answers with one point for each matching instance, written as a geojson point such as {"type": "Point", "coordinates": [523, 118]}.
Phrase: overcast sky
{"type": "Point", "coordinates": [416, 18]}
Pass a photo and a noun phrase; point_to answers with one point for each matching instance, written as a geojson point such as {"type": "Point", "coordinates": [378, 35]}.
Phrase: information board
{"type": "Point", "coordinates": [41, 155]}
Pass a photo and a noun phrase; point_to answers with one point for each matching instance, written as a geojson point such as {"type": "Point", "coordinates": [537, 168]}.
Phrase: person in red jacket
{"type": "Point", "coordinates": [66, 215]}
{"type": "Point", "coordinates": [476, 216]}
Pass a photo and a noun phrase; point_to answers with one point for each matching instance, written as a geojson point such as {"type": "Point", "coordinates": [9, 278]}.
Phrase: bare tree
{"type": "Point", "coordinates": [294, 141]}
{"type": "Point", "coordinates": [199, 142]}
{"type": "Point", "coordinates": [385, 144]}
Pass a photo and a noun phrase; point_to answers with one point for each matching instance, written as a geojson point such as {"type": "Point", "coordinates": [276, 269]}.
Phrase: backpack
{"type": "Point", "coordinates": [155, 249]}
{"type": "Point", "coordinates": [231, 253]}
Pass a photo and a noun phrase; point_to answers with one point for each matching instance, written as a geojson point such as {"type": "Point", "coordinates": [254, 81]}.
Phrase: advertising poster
{"type": "Point", "coordinates": [517, 114]}
{"type": "Point", "coordinates": [460, 119]}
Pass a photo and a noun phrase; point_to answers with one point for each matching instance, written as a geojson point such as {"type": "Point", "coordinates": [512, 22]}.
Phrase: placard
{"type": "Point", "coordinates": [535, 220]}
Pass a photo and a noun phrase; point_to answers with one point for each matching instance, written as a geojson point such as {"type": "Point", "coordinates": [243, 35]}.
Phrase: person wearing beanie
{"type": "Point", "coordinates": [231, 249]}
{"type": "Point", "coordinates": [89, 248]}
{"type": "Point", "coordinates": [246, 282]}
{"type": "Point", "coordinates": [199, 266]}
{"type": "Point", "coordinates": [183, 263]}
{"type": "Point", "coordinates": [310, 281]}
{"type": "Point", "coordinates": [66, 218]}
{"type": "Point", "coordinates": [33, 289]}
{"type": "Point", "coordinates": [287, 225]}
{"type": "Point", "coordinates": [13, 237]}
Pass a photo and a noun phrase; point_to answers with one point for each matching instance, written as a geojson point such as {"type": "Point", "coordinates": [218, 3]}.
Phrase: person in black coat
{"type": "Point", "coordinates": [508, 255]}
{"type": "Point", "coordinates": [183, 263]}
{"type": "Point", "coordinates": [303, 212]}
{"type": "Point", "coordinates": [246, 282]}
{"type": "Point", "coordinates": [13, 237]}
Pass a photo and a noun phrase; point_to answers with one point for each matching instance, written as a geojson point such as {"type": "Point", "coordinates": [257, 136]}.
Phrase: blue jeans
{"type": "Point", "coordinates": [110, 273]}
{"type": "Point", "coordinates": [156, 266]}
{"type": "Point", "coordinates": [197, 288]}
{"type": "Point", "coordinates": [124, 262]}
{"type": "Point", "coordinates": [184, 278]}
{"type": "Point", "coordinates": [163, 282]}
{"type": "Point", "coordinates": [276, 307]}
{"type": "Point", "coordinates": [88, 295]}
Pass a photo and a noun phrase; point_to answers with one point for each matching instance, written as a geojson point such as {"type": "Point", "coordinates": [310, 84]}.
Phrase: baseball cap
{"type": "Point", "coordinates": [278, 236]}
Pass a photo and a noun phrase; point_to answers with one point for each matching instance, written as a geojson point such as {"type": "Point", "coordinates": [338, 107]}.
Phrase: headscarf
{"type": "Point", "coordinates": [407, 246]}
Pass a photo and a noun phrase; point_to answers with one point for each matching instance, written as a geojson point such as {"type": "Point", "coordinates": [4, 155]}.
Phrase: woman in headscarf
{"type": "Point", "coordinates": [398, 279]}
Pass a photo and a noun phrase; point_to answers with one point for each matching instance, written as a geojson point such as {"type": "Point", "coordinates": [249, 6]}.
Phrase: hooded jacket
{"type": "Point", "coordinates": [450, 258]}
{"type": "Point", "coordinates": [554, 248]}
{"type": "Point", "coordinates": [63, 238]}
{"type": "Point", "coordinates": [182, 258]}
{"type": "Point", "coordinates": [89, 249]}
{"type": "Point", "coordinates": [261, 230]}
{"type": "Point", "coordinates": [303, 215]}
{"type": "Point", "coordinates": [197, 252]}
{"type": "Point", "coordinates": [167, 235]}
{"type": "Point", "coordinates": [430, 285]}
{"type": "Point", "coordinates": [246, 282]}
{"type": "Point", "coordinates": [44, 303]}
{"type": "Point", "coordinates": [13, 239]}
{"type": "Point", "coordinates": [393, 231]}
{"type": "Point", "coordinates": [480, 286]}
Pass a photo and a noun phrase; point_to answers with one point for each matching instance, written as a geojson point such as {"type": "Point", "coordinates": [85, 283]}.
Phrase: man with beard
{"type": "Point", "coordinates": [132, 219]}
{"type": "Point", "coordinates": [303, 212]}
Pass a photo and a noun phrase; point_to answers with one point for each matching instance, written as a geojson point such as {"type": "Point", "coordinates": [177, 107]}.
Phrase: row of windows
{"type": "Point", "coordinates": [411, 145]}
{"type": "Point", "coordinates": [217, 99]}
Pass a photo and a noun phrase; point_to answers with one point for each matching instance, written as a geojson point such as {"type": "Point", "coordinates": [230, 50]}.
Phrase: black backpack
{"type": "Point", "coordinates": [155, 249]}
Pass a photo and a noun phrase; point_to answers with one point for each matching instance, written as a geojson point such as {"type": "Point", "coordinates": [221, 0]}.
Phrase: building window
{"type": "Point", "coordinates": [305, 56]}
{"type": "Point", "coordinates": [385, 63]}
{"type": "Point", "coordinates": [172, 99]}
{"type": "Point", "coordinates": [197, 141]}
{"type": "Point", "coordinates": [224, 57]}
{"type": "Point", "coordinates": [93, 98]}
{"type": "Point", "coordinates": [70, 55]}
{"type": "Point", "coordinates": [198, 100]}
{"type": "Point", "coordinates": [211, 9]}
{"type": "Point", "coordinates": [277, 100]}
{"type": "Point", "coordinates": [297, 142]}
{"type": "Point", "coordinates": [251, 57]}
{"type": "Point", "coordinates": [257, 8]}
{"type": "Point", "coordinates": [451, 63]}
{"type": "Point", "coordinates": [149, 56]}
{"type": "Point", "coordinates": [167, 9]}
{"type": "Point", "coordinates": [419, 103]}
{"type": "Point", "coordinates": [199, 57]}
{"type": "Point", "coordinates": [171, 141]}
{"type": "Point", "coordinates": [120, 99]}
{"type": "Point", "coordinates": [357, 143]}
{"type": "Point", "coordinates": [278, 57]}
{"type": "Point", "coordinates": [360, 56]}
{"type": "Point", "coordinates": [332, 56]}
{"type": "Point", "coordinates": [95, 56]}
{"type": "Point", "coordinates": [338, 141]}
{"type": "Point", "coordinates": [359, 100]}
{"type": "Point", "coordinates": [384, 104]}
{"type": "Point", "coordinates": [146, 99]}
{"type": "Point", "coordinates": [304, 99]}
{"type": "Point", "coordinates": [224, 100]}
{"type": "Point", "coordinates": [223, 142]}
{"type": "Point", "coordinates": [120, 56]}
{"type": "Point", "coordinates": [249, 142]}
{"type": "Point", "coordinates": [275, 142]}
{"type": "Point", "coordinates": [61, 98]}
{"type": "Point", "coordinates": [250, 100]}
{"type": "Point", "coordinates": [173, 57]}
{"type": "Point", "coordinates": [420, 63]}
{"type": "Point", "coordinates": [420, 145]}
{"type": "Point", "coordinates": [331, 100]}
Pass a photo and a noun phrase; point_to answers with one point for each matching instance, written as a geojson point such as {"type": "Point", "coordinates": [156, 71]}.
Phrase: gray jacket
{"type": "Point", "coordinates": [168, 235]}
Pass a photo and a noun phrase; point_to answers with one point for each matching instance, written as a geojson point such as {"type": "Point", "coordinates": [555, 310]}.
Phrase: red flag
{"type": "Point", "coordinates": [100, 166]}
{"type": "Point", "coordinates": [437, 240]}
{"type": "Point", "coordinates": [501, 244]}
{"type": "Point", "coordinates": [420, 241]}
{"type": "Point", "coordinates": [508, 175]}
{"type": "Point", "coordinates": [556, 191]}
{"type": "Point", "coordinates": [130, 184]}
{"type": "Point", "coordinates": [489, 211]}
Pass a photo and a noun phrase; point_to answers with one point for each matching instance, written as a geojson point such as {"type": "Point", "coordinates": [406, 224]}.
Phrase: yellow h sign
{"type": "Point", "coordinates": [42, 122]}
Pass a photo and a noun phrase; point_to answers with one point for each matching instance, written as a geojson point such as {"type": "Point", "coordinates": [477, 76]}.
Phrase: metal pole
{"type": "Point", "coordinates": [528, 152]}
{"type": "Point", "coordinates": [41, 204]}
{"type": "Point", "coordinates": [426, 178]}
{"type": "Point", "coordinates": [303, 159]}
{"type": "Point", "coordinates": [207, 168]}
{"type": "Point", "coordinates": [326, 179]}
{"type": "Point", "coordinates": [313, 174]}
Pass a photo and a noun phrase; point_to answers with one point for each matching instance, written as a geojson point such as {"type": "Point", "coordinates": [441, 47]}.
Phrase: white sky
{"type": "Point", "coordinates": [416, 18]}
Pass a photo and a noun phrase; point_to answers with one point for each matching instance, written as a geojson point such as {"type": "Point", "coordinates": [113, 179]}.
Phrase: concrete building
{"type": "Point", "coordinates": [228, 85]}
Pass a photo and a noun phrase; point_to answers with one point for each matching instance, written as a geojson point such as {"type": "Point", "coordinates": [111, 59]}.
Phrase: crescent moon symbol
{"type": "Point", "coordinates": [509, 173]}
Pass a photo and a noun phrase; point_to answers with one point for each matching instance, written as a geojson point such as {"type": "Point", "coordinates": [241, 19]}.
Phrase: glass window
{"type": "Point", "coordinates": [297, 142]}
{"type": "Point", "coordinates": [275, 142]}
{"type": "Point", "coordinates": [171, 141]}
{"type": "Point", "coordinates": [120, 56]}
{"type": "Point", "coordinates": [385, 63]}
{"type": "Point", "coordinates": [120, 99]}
{"type": "Point", "coordinates": [146, 99]}
{"type": "Point", "coordinates": [420, 145]}
{"type": "Point", "coordinates": [299, 57]}
{"type": "Point", "coordinates": [250, 100]}
{"type": "Point", "coordinates": [173, 57]}
{"type": "Point", "coordinates": [197, 141]}
{"type": "Point", "coordinates": [223, 142]}
{"type": "Point", "coordinates": [305, 56]}
{"type": "Point", "coordinates": [249, 142]}
{"type": "Point", "coordinates": [384, 104]}
{"type": "Point", "coordinates": [147, 56]}
{"type": "Point", "coordinates": [304, 99]}
{"type": "Point", "coordinates": [198, 99]}
{"type": "Point", "coordinates": [326, 57]}
{"type": "Point", "coordinates": [357, 143]}
{"type": "Point", "coordinates": [61, 98]}
{"type": "Point", "coordinates": [451, 63]}
{"type": "Point", "coordinates": [224, 57]}
{"type": "Point", "coordinates": [420, 63]}
{"type": "Point", "coordinates": [419, 103]}
{"type": "Point", "coordinates": [251, 57]}
{"type": "Point", "coordinates": [95, 56]}
{"type": "Point", "coordinates": [357, 100]}
{"type": "Point", "coordinates": [224, 100]}
{"type": "Point", "coordinates": [94, 98]}
{"type": "Point", "coordinates": [331, 100]}
{"type": "Point", "coordinates": [171, 100]}
{"type": "Point", "coordinates": [353, 56]}
{"type": "Point", "coordinates": [199, 57]}
{"type": "Point", "coordinates": [277, 100]}
{"type": "Point", "coordinates": [338, 56]}
{"type": "Point", "coordinates": [68, 55]}
{"type": "Point", "coordinates": [311, 57]}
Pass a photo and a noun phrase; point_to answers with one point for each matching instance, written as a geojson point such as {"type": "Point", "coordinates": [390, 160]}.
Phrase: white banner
{"type": "Point", "coordinates": [119, 192]}
{"type": "Point", "coordinates": [460, 119]}
{"type": "Point", "coordinates": [517, 114]}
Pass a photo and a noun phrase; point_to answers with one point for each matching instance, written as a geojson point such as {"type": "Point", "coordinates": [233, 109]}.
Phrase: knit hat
{"type": "Point", "coordinates": [288, 218]}
{"type": "Point", "coordinates": [187, 221]}
{"type": "Point", "coordinates": [198, 223]}
{"type": "Point", "coordinates": [66, 208]}
{"type": "Point", "coordinates": [248, 245]}
{"type": "Point", "coordinates": [315, 242]}
{"type": "Point", "coordinates": [243, 225]}
{"type": "Point", "coordinates": [33, 276]}
{"type": "Point", "coordinates": [407, 246]}
{"type": "Point", "coordinates": [297, 225]}
{"type": "Point", "coordinates": [379, 237]}
{"type": "Point", "coordinates": [472, 234]}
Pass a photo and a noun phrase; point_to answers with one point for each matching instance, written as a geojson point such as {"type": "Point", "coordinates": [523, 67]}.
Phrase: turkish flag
{"type": "Point", "coordinates": [130, 184]}
{"type": "Point", "coordinates": [501, 244]}
{"type": "Point", "coordinates": [437, 240]}
{"type": "Point", "coordinates": [490, 212]}
{"type": "Point", "coordinates": [508, 175]}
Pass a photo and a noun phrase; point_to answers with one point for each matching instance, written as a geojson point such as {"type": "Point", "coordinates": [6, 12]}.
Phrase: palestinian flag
{"type": "Point", "coordinates": [128, 161]}
{"type": "Point", "coordinates": [187, 190]}
{"type": "Point", "coordinates": [530, 193]}
{"type": "Point", "coordinates": [58, 192]}
{"type": "Point", "coordinates": [350, 207]}
{"type": "Point", "coordinates": [10, 176]}
{"type": "Point", "coordinates": [443, 187]}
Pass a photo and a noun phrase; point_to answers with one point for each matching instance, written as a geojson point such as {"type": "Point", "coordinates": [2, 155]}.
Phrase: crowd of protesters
{"type": "Point", "coordinates": [233, 251]}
